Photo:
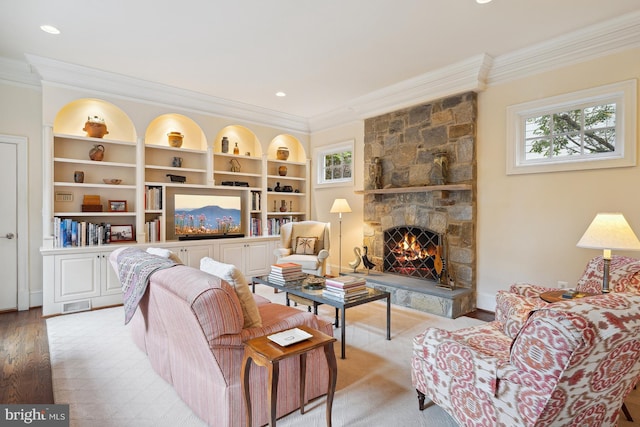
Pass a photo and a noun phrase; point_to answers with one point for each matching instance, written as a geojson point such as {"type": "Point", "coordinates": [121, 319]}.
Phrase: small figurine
{"type": "Point", "coordinates": [356, 262]}
{"type": "Point", "coordinates": [366, 261]}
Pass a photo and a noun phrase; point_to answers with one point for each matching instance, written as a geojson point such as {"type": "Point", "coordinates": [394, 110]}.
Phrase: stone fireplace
{"type": "Point", "coordinates": [406, 198]}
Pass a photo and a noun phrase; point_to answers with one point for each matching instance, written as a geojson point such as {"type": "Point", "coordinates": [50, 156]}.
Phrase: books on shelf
{"type": "Point", "coordinates": [287, 272]}
{"type": "Point", "coordinates": [153, 198]}
{"type": "Point", "coordinates": [152, 228]}
{"type": "Point", "coordinates": [70, 233]}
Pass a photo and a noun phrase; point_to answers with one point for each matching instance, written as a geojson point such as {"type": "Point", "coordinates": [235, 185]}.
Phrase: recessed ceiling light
{"type": "Point", "coordinates": [483, 1]}
{"type": "Point", "coordinates": [281, 94]}
{"type": "Point", "coordinates": [49, 29]}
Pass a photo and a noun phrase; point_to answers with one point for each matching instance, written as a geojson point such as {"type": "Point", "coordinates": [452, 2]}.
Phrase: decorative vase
{"type": "Point", "coordinates": [282, 171]}
{"type": "Point", "coordinates": [78, 176]}
{"type": "Point", "coordinates": [225, 144]}
{"type": "Point", "coordinates": [277, 188]}
{"type": "Point", "coordinates": [438, 175]}
{"type": "Point", "coordinates": [97, 152]}
{"type": "Point", "coordinates": [175, 139]}
{"type": "Point", "coordinates": [282, 153]}
{"type": "Point", "coordinates": [95, 127]}
{"type": "Point", "coordinates": [236, 150]}
{"type": "Point", "coordinates": [283, 206]}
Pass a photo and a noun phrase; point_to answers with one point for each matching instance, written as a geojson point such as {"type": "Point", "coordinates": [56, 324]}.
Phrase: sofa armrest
{"type": "Point", "coordinates": [282, 252]}
{"type": "Point", "coordinates": [322, 255]}
{"type": "Point", "coordinates": [442, 352]}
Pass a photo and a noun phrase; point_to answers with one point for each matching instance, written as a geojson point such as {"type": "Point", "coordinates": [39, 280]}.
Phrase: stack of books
{"type": "Point", "coordinates": [345, 288]}
{"type": "Point", "coordinates": [285, 273]}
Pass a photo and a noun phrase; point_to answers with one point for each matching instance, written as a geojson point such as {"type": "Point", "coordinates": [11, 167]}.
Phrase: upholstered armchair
{"type": "Point", "coordinates": [570, 363]}
{"type": "Point", "coordinates": [305, 243]}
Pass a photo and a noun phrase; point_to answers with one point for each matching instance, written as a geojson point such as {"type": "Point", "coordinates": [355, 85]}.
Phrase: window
{"type": "Point", "coordinates": [335, 163]}
{"type": "Point", "coordinates": [589, 129]}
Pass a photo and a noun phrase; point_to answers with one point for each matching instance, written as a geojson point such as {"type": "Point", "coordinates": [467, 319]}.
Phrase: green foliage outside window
{"type": "Point", "coordinates": [582, 132]}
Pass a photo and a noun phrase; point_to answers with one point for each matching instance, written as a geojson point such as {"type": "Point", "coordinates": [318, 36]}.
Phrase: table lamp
{"type": "Point", "coordinates": [340, 206]}
{"type": "Point", "coordinates": [609, 231]}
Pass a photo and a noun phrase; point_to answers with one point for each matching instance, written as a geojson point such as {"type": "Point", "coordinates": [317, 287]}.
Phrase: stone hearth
{"type": "Point", "coordinates": [405, 142]}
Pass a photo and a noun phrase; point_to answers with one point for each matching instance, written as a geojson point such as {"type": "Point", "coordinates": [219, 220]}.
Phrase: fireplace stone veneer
{"type": "Point", "coordinates": [405, 143]}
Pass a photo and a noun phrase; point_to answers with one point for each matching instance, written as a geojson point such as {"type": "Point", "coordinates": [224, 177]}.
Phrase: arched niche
{"type": "Point", "coordinates": [71, 118]}
{"type": "Point", "coordinates": [159, 127]}
{"type": "Point", "coordinates": [296, 150]}
{"type": "Point", "coordinates": [247, 141]}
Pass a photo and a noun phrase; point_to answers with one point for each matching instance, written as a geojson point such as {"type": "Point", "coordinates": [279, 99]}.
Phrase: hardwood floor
{"type": "Point", "coordinates": [26, 368]}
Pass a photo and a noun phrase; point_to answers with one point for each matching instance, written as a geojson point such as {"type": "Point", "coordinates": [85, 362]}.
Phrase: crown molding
{"type": "Point", "coordinates": [473, 74]}
{"type": "Point", "coordinates": [589, 43]}
{"type": "Point", "coordinates": [65, 74]}
{"type": "Point", "coordinates": [464, 76]}
{"type": "Point", "coordinates": [19, 72]}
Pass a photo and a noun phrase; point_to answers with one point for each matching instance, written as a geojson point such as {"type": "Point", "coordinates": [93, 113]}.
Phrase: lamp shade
{"type": "Point", "coordinates": [340, 206]}
{"type": "Point", "coordinates": [609, 231]}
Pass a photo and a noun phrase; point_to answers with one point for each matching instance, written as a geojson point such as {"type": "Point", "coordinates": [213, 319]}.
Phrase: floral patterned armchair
{"type": "Point", "coordinates": [571, 363]}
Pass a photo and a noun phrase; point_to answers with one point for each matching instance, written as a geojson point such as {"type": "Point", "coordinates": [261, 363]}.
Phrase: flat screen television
{"type": "Point", "coordinates": [198, 216]}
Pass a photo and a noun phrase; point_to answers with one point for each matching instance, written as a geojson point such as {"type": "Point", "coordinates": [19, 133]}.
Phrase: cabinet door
{"type": "Point", "coordinates": [77, 276]}
{"type": "Point", "coordinates": [257, 256]}
{"type": "Point", "coordinates": [110, 281]}
{"type": "Point", "coordinates": [233, 253]}
{"type": "Point", "coordinates": [191, 255]}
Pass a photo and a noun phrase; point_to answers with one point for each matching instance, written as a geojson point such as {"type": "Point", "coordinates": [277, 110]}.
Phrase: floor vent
{"type": "Point", "coordinates": [73, 307]}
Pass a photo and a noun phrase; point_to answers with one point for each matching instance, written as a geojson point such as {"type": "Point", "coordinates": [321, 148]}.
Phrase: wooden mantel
{"type": "Point", "coordinates": [421, 189]}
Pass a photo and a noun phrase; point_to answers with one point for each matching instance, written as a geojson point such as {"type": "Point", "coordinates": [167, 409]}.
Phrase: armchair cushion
{"type": "Point", "coordinates": [306, 245]}
{"type": "Point", "coordinates": [165, 253]}
{"type": "Point", "coordinates": [232, 275]}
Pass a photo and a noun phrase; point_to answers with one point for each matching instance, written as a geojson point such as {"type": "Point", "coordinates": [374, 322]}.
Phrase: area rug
{"type": "Point", "coordinates": [107, 380]}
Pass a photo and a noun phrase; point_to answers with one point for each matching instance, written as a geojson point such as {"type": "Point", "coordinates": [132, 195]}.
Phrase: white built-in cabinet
{"type": "Point", "coordinates": [252, 258]}
{"type": "Point", "coordinates": [79, 281]}
{"type": "Point", "coordinates": [80, 277]}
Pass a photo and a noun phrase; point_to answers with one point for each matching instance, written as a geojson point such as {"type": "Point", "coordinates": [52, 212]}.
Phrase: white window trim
{"type": "Point", "coordinates": [625, 132]}
{"type": "Point", "coordinates": [320, 152]}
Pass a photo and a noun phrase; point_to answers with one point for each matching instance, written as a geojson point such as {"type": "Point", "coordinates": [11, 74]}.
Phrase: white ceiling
{"type": "Point", "coordinates": [323, 54]}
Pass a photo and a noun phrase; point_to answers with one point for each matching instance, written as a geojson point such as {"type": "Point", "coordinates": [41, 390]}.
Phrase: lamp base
{"type": "Point", "coordinates": [605, 276]}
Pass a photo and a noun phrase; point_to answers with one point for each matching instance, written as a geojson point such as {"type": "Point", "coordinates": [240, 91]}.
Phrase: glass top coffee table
{"type": "Point", "coordinates": [311, 289]}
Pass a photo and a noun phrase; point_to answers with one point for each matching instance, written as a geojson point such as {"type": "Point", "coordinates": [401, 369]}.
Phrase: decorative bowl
{"type": "Point", "coordinates": [114, 181]}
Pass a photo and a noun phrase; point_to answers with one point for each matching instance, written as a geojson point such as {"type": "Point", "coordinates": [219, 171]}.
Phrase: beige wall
{"type": "Point", "coordinates": [21, 115]}
{"type": "Point", "coordinates": [323, 197]}
{"type": "Point", "coordinates": [528, 225]}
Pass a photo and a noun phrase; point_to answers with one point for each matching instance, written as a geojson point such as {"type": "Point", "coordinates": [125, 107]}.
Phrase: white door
{"type": "Point", "coordinates": [9, 227]}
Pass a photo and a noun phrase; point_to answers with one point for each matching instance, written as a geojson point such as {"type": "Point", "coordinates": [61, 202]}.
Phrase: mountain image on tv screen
{"type": "Point", "coordinates": [196, 214]}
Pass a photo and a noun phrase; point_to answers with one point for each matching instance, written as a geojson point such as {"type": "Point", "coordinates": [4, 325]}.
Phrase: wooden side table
{"type": "Point", "coordinates": [555, 296]}
{"type": "Point", "coordinates": [264, 352]}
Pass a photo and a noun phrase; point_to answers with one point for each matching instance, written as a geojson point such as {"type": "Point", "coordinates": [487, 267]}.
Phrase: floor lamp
{"type": "Point", "coordinates": [609, 231]}
{"type": "Point", "coordinates": [340, 206]}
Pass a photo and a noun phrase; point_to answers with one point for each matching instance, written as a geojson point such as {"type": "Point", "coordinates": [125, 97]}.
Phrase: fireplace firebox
{"type": "Point", "coordinates": [413, 251]}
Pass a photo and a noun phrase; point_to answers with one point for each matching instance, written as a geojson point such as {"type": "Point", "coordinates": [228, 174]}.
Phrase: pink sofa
{"type": "Point", "coordinates": [190, 325]}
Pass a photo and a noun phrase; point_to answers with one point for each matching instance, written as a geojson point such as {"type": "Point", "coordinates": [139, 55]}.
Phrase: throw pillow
{"type": "Point", "coordinates": [165, 253]}
{"type": "Point", "coordinates": [306, 245]}
{"type": "Point", "coordinates": [232, 275]}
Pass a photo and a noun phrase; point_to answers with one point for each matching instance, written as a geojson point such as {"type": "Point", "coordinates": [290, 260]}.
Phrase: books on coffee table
{"type": "Point", "coordinates": [286, 273]}
{"type": "Point", "coordinates": [345, 288]}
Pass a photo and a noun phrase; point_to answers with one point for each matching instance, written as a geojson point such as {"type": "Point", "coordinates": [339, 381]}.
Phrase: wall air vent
{"type": "Point", "coordinates": [75, 306]}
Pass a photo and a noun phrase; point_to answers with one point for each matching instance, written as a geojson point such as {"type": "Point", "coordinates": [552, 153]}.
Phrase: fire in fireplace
{"type": "Point", "coordinates": [413, 251]}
